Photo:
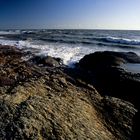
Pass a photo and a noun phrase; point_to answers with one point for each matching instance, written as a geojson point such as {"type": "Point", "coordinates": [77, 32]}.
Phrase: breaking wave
{"type": "Point", "coordinates": [71, 45]}
{"type": "Point", "coordinates": [69, 53]}
{"type": "Point", "coordinates": [122, 40]}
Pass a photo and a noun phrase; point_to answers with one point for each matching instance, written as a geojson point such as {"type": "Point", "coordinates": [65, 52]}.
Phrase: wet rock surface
{"type": "Point", "coordinates": [42, 99]}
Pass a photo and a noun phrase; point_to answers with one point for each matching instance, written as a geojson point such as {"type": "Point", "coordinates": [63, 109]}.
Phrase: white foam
{"type": "Point", "coordinates": [27, 32]}
{"type": "Point", "coordinates": [69, 53]}
{"type": "Point", "coordinates": [7, 42]}
{"type": "Point", "coordinates": [19, 44]}
{"type": "Point", "coordinates": [123, 40]}
{"type": "Point", "coordinates": [9, 32]}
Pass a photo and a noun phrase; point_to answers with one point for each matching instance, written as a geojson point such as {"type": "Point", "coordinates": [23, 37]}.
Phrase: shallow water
{"type": "Point", "coordinates": [131, 67]}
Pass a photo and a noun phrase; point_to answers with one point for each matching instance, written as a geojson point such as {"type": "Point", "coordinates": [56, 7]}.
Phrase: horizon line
{"type": "Point", "coordinates": [69, 29]}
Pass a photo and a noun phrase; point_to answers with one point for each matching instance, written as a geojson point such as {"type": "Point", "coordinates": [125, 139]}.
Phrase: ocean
{"type": "Point", "coordinates": [71, 45]}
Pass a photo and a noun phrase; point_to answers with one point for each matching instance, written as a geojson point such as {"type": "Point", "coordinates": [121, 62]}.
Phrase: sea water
{"type": "Point", "coordinates": [72, 45]}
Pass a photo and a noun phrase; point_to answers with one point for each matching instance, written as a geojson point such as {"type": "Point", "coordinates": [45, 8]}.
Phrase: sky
{"type": "Point", "coordinates": [70, 14]}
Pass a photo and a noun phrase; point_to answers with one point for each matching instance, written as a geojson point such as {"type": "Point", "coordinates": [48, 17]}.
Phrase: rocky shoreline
{"type": "Point", "coordinates": [41, 98]}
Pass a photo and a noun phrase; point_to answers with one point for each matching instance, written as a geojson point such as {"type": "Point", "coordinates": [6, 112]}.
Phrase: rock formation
{"type": "Point", "coordinates": [41, 99]}
{"type": "Point", "coordinates": [109, 78]}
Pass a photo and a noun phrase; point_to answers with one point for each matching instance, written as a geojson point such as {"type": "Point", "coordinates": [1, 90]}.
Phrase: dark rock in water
{"type": "Point", "coordinates": [39, 103]}
{"type": "Point", "coordinates": [100, 59]}
{"type": "Point", "coordinates": [47, 61]}
{"type": "Point", "coordinates": [109, 77]}
{"type": "Point", "coordinates": [108, 58]}
{"type": "Point", "coordinates": [106, 74]}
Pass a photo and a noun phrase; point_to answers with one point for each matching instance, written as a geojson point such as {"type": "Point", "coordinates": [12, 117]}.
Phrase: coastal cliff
{"type": "Point", "coordinates": [40, 98]}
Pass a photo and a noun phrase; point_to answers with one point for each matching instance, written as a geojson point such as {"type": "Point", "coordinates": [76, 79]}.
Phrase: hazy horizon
{"type": "Point", "coordinates": [4, 29]}
{"type": "Point", "coordinates": [70, 14]}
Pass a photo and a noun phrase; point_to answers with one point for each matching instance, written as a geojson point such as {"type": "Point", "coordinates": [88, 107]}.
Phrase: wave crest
{"type": "Point", "coordinates": [122, 41]}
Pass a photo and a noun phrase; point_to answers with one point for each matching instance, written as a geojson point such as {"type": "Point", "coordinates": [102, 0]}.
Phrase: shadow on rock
{"type": "Point", "coordinates": [109, 78]}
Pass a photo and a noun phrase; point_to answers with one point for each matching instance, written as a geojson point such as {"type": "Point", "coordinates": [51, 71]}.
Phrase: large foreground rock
{"type": "Point", "coordinates": [40, 103]}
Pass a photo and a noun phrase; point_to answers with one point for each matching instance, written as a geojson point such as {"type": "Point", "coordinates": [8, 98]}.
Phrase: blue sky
{"type": "Point", "coordinates": [83, 14]}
